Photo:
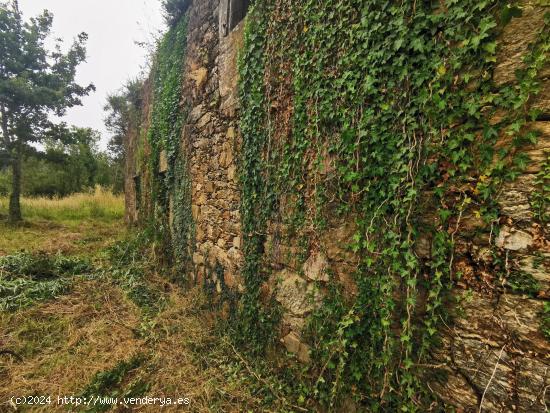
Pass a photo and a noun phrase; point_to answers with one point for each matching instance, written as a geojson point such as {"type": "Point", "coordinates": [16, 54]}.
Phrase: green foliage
{"type": "Point", "coordinates": [64, 169]}
{"type": "Point", "coordinates": [540, 199]}
{"type": "Point", "coordinates": [41, 266]}
{"type": "Point", "coordinates": [124, 111]}
{"type": "Point", "coordinates": [164, 135]}
{"type": "Point", "coordinates": [255, 323]}
{"type": "Point", "coordinates": [23, 292]}
{"type": "Point", "coordinates": [28, 278]}
{"type": "Point", "coordinates": [174, 10]}
{"type": "Point", "coordinates": [399, 97]}
{"type": "Point", "coordinates": [129, 266]}
{"type": "Point", "coordinates": [333, 316]}
{"type": "Point", "coordinates": [111, 384]}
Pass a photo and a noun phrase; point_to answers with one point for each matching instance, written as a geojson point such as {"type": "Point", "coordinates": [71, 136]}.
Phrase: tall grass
{"type": "Point", "coordinates": [98, 204]}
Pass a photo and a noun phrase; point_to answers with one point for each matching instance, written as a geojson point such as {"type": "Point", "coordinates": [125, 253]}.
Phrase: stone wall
{"type": "Point", "coordinates": [130, 174]}
{"type": "Point", "coordinates": [493, 354]}
{"type": "Point", "coordinates": [209, 142]}
{"type": "Point", "coordinates": [210, 137]}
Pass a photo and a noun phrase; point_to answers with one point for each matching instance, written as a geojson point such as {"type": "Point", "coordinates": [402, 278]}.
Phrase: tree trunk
{"type": "Point", "coordinates": [15, 206]}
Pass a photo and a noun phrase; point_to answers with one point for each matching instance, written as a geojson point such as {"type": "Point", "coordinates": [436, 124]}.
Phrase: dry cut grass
{"type": "Point", "coordinates": [85, 341]}
{"type": "Point", "coordinates": [191, 360]}
{"type": "Point", "coordinates": [64, 343]}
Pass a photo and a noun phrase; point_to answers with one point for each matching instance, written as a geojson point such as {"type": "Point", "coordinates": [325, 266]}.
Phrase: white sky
{"type": "Point", "coordinates": [113, 27]}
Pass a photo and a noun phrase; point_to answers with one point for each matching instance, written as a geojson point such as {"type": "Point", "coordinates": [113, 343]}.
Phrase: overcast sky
{"type": "Point", "coordinates": [113, 27]}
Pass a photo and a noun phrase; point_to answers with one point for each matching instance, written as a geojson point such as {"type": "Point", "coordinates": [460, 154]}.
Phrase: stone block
{"type": "Point", "coordinates": [204, 120]}
{"type": "Point", "coordinates": [514, 240]}
{"type": "Point", "coordinates": [515, 40]}
{"type": "Point", "coordinates": [336, 241]}
{"type": "Point", "coordinates": [232, 173]}
{"type": "Point", "coordinates": [316, 266]}
{"type": "Point", "coordinates": [292, 342]}
{"type": "Point", "coordinates": [497, 338]}
{"type": "Point", "coordinates": [209, 187]}
{"type": "Point", "coordinates": [201, 200]}
{"type": "Point", "coordinates": [163, 162]}
{"type": "Point", "coordinates": [514, 199]}
{"type": "Point", "coordinates": [198, 259]}
{"type": "Point", "coordinates": [295, 294]}
{"type": "Point", "coordinates": [539, 268]}
{"type": "Point", "coordinates": [294, 345]}
{"type": "Point", "coordinates": [199, 76]}
{"type": "Point", "coordinates": [218, 255]}
{"type": "Point", "coordinates": [200, 233]}
{"type": "Point", "coordinates": [196, 113]}
{"type": "Point", "coordinates": [195, 211]}
{"type": "Point", "coordinates": [423, 246]}
{"type": "Point", "coordinates": [212, 231]}
{"type": "Point", "coordinates": [237, 242]}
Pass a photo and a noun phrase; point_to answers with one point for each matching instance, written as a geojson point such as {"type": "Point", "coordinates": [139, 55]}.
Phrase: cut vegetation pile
{"type": "Point", "coordinates": [27, 278]}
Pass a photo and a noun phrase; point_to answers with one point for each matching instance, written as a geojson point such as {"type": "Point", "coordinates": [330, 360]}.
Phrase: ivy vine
{"type": "Point", "coordinates": [256, 324]}
{"type": "Point", "coordinates": [386, 112]}
{"type": "Point", "coordinates": [171, 189]}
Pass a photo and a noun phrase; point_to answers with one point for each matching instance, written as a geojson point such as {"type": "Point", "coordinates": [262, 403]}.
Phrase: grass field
{"type": "Point", "coordinates": [100, 204]}
{"type": "Point", "coordinates": [85, 311]}
{"type": "Point", "coordinates": [81, 223]}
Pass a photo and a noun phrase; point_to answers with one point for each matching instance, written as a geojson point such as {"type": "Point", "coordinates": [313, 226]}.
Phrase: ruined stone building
{"type": "Point", "coordinates": [491, 352]}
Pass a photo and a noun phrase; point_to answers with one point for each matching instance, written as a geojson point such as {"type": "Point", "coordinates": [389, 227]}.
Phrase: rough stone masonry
{"type": "Point", "coordinates": [493, 352]}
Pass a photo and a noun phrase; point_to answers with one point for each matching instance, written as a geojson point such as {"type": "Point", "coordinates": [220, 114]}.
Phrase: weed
{"type": "Point", "coordinates": [41, 266]}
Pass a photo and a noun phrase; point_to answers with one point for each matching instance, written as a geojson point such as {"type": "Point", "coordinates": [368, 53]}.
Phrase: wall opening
{"type": "Point", "coordinates": [233, 11]}
{"type": "Point", "coordinates": [137, 190]}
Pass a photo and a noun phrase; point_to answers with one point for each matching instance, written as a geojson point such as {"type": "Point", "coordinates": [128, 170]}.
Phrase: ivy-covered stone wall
{"type": "Point", "coordinates": [364, 184]}
{"type": "Point", "coordinates": [187, 167]}
{"type": "Point", "coordinates": [212, 141]}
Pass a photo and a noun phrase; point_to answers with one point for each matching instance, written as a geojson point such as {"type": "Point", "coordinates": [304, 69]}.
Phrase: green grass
{"type": "Point", "coordinates": [100, 204]}
{"type": "Point", "coordinates": [80, 224]}
{"type": "Point", "coordinates": [112, 383]}
{"type": "Point", "coordinates": [126, 332]}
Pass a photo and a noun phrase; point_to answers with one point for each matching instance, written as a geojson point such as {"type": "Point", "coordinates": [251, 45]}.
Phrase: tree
{"type": "Point", "coordinates": [123, 113]}
{"type": "Point", "coordinates": [61, 169]}
{"type": "Point", "coordinates": [35, 83]}
{"type": "Point", "coordinates": [76, 162]}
